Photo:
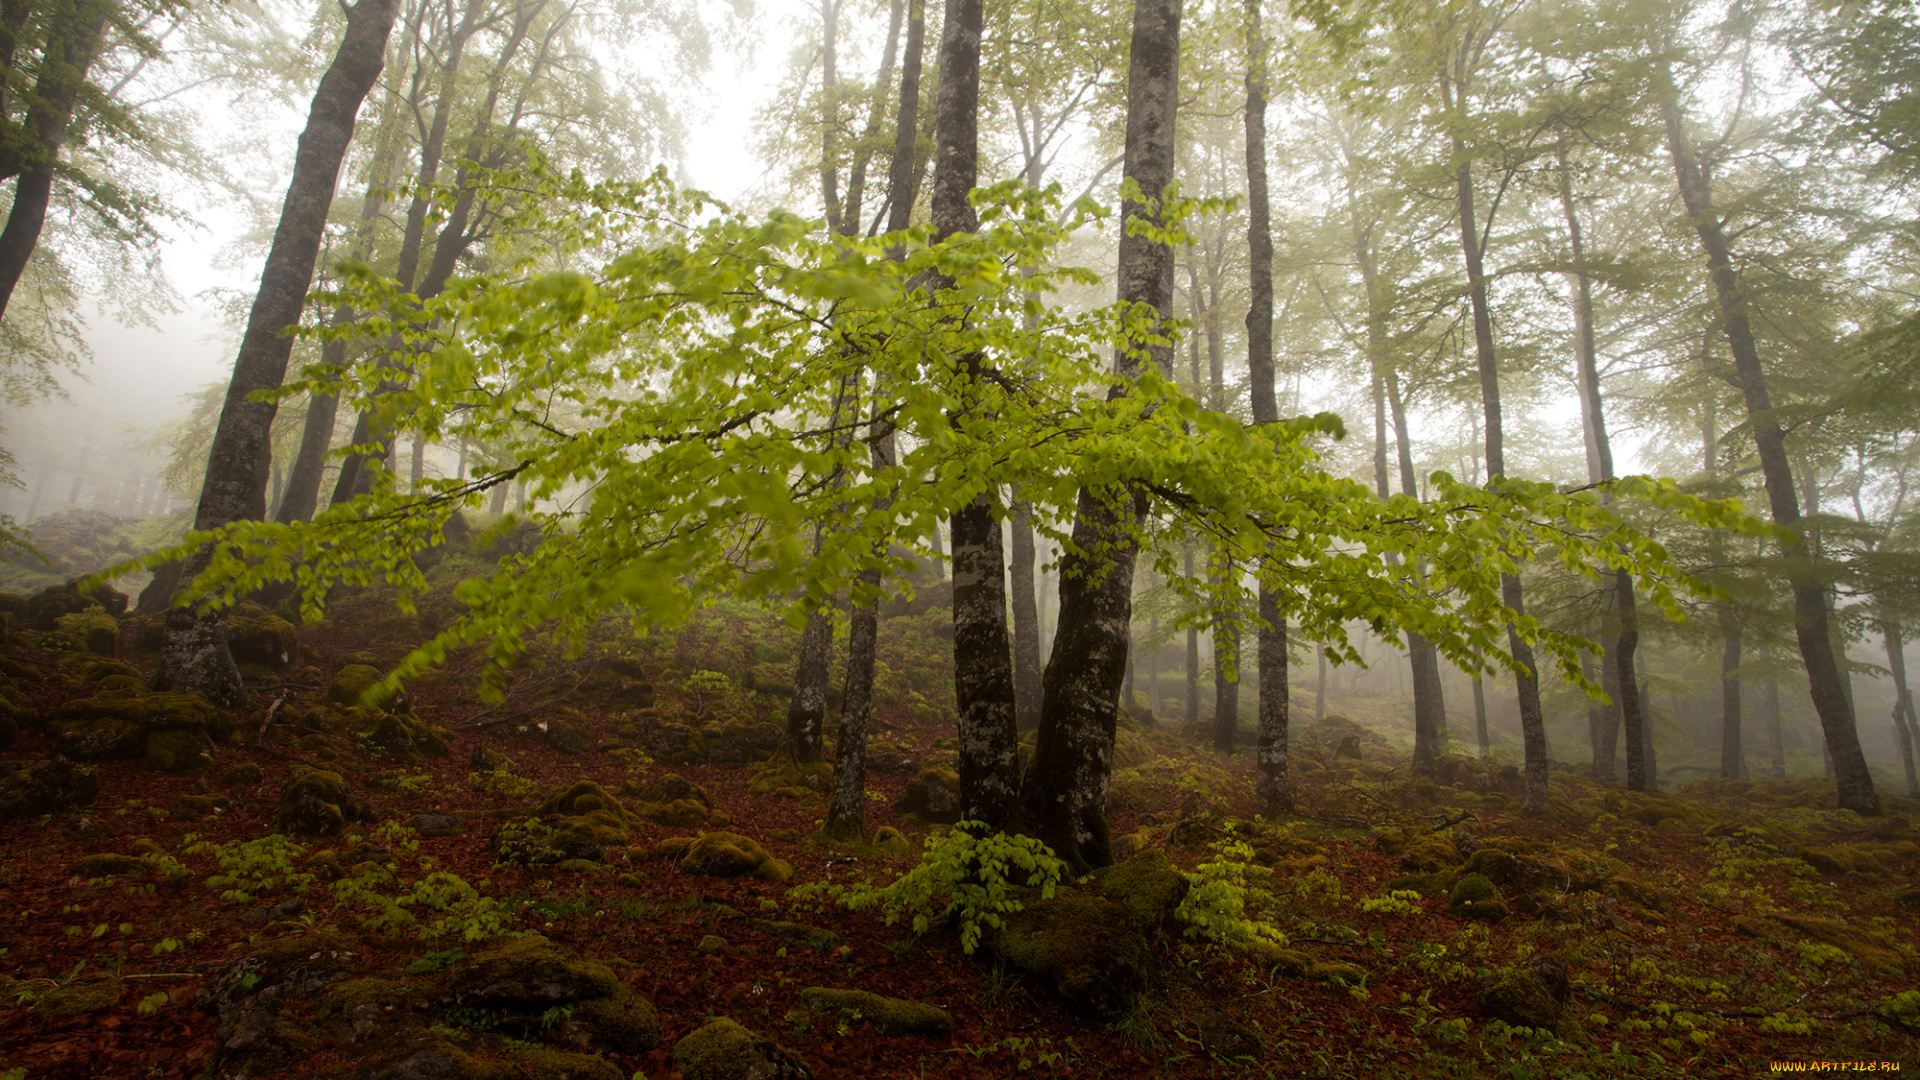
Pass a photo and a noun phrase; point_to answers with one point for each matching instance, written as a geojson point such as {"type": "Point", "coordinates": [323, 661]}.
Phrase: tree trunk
{"type": "Point", "coordinates": [1770, 695]}
{"type": "Point", "coordinates": [1533, 730]}
{"type": "Point", "coordinates": [1650, 762]}
{"type": "Point", "coordinates": [1733, 760]}
{"type": "Point", "coordinates": [195, 655]}
{"type": "Point", "coordinates": [1853, 782]}
{"type": "Point", "coordinates": [982, 661]}
{"type": "Point", "coordinates": [903, 172]}
{"type": "Point", "coordinates": [1226, 686]}
{"type": "Point", "coordinates": [73, 41]}
{"type": "Point", "coordinates": [1902, 699]}
{"type": "Point", "coordinates": [1066, 789]}
{"type": "Point", "coordinates": [1320, 688]}
{"type": "Point", "coordinates": [1273, 786]}
{"type": "Point", "coordinates": [1026, 619]}
{"type": "Point", "coordinates": [1480, 718]}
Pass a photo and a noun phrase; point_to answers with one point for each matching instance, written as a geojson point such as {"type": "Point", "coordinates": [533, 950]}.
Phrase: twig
{"type": "Point", "coordinates": [267, 721]}
{"type": "Point", "coordinates": [530, 710]}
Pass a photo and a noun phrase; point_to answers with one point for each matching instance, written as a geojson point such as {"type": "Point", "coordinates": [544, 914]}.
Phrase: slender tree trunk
{"type": "Point", "coordinates": [1770, 699]}
{"type": "Point", "coordinates": [829, 130]}
{"type": "Point", "coordinates": [1650, 762]}
{"type": "Point", "coordinates": [1153, 668]}
{"type": "Point", "coordinates": [1533, 730]}
{"type": "Point", "coordinates": [1273, 786]}
{"type": "Point", "coordinates": [1066, 790]}
{"type": "Point", "coordinates": [1733, 760]}
{"type": "Point", "coordinates": [195, 655]}
{"type": "Point", "coordinates": [903, 172]}
{"type": "Point", "coordinates": [1853, 782]}
{"type": "Point", "coordinates": [1480, 719]}
{"type": "Point", "coordinates": [1026, 619]}
{"type": "Point", "coordinates": [1226, 677]}
{"type": "Point", "coordinates": [1902, 699]}
{"type": "Point", "coordinates": [1320, 688]}
{"type": "Point", "coordinates": [73, 41]}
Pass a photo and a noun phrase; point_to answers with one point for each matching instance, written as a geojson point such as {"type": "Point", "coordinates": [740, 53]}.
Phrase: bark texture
{"type": "Point", "coordinates": [1066, 788]}
{"type": "Point", "coordinates": [195, 655]}
{"type": "Point", "coordinates": [1853, 783]}
{"type": "Point", "coordinates": [1026, 618]}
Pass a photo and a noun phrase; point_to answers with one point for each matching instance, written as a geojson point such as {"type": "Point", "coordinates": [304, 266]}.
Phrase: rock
{"type": "Point", "coordinates": [723, 1050]}
{"type": "Point", "coordinates": [351, 683]}
{"type": "Point", "coordinates": [892, 839]}
{"type": "Point", "coordinates": [319, 803]}
{"type": "Point", "coordinates": [891, 1016]}
{"type": "Point", "coordinates": [1094, 943]}
{"type": "Point", "coordinates": [933, 795]}
{"type": "Point", "coordinates": [813, 937]}
{"type": "Point", "coordinates": [404, 737]}
{"type": "Point", "coordinates": [679, 814]}
{"type": "Point", "coordinates": [1495, 865]}
{"type": "Point", "coordinates": [725, 854]}
{"type": "Point", "coordinates": [565, 734]}
{"type": "Point", "coordinates": [585, 797]}
{"type": "Point", "coordinates": [44, 608]}
{"type": "Point", "coordinates": [1532, 996]}
{"type": "Point", "coordinates": [78, 998]}
{"type": "Point", "coordinates": [530, 975]}
{"type": "Point", "coordinates": [710, 944]}
{"type": "Point", "coordinates": [106, 865]}
{"type": "Point", "coordinates": [257, 636]}
{"type": "Point", "coordinates": [32, 788]}
{"type": "Point", "coordinates": [437, 825]}
{"type": "Point", "coordinates": [194, 807]}
{"type": "Point", "coordinates": [556, 839]}
{"type": "Point", "coordinates": [170, 731]}
{"type": "Point", "coordinates": [288, 908]}
{"type": "Point", "coordinates": [243, 774]}
{"type": "Point", "coordinates": [667, 788]}
{"type": "Point", "coordinates": [781, 777]}
{"type": "Point", "coordinates": [1635, 891]}
{"type": "Point", "coordinates": [486, 760]}
{"type": "Point", "coordinates": [1475, 897]}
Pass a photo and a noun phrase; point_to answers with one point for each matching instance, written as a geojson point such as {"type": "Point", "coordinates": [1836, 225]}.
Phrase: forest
{"type": "Point", "coordinates": [1120, 539]}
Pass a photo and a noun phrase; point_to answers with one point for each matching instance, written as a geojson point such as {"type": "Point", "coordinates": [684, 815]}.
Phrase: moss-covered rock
{"type": "Point", "coordinates": [668, 788]}
{"type": "Point", "coordinates": [319, 803]}
{"type": "Point", "coordinates": [546, 1063]}
{"type": "Point", "coordinates": [892, 1016]}
{"type": "Point", "coordinates": [555, 839]}
{"type": "Point", "coordinates": [350, 684]}
{"type": "Point", "coordinates": [721, 1049]}
{"type": "Point", "coordinates": [106, 864]}
{"type": "Point", "coordinates": [405, 737]}
{"type": "Point", "coordinates": [530, 971]}
{"type": "Point", "coordinates": [79, 998]}
{"type": "Point", "coordinates": [1531, 996]}
{"type": "Point", "coordinates": [257, 636]}
{"type": "Point", "coordinates": [1475, 897]}
{"type": "Point", "coordinates": [95, 630]}
{"type": "Point", "coordinates": [678, 814]}
{"type": "Point", "coordinates": [725, 854]}
{"type": "Point", "coordinates": [44, 608]}
{"type": "Point", "coordinates": [32, 788]}
{"type": "Point", "coordinates": [933, 795]}
{"type": "Point", "coordinates": [784, 776]}
{"type": "Point", "coordinates": [170, 731]}
{"type": "Point", "coordinates": [585, 797]}
{"type": "Point", "coordinates": [814, 937]}
{"type": "Point", "coordinates": [1497, 866]}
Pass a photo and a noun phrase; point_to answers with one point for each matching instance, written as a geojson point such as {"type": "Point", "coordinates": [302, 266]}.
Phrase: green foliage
{"type": "Point", "coordinates": [699, 369]}
{"type": "Point", "coordinates": [1397, 902]}
{"type": "Point", "coordinates": [973, 871]}
{"type": "Point", "coordinates": [1228, 904]}
{"type": "Point", "coordinates": [250, 869]}
{"type": "Point", "coordinates": [503, 782]}
{"type": "Point", "coordinates": [439, 906]}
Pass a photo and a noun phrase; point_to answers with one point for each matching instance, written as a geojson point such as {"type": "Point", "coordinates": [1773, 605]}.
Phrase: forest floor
{"type": "Point", "coordinates": [1712, 932]}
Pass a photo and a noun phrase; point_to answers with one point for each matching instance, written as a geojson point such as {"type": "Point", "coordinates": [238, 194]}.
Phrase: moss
{"type": "Point", "coordinates": [532, 972]}
{"type": "Point", "coordinates": [178, 751]}
{"type": "Point", "coordinates": [106, 865]}
{"type": "Point", "coordinates": [678, 814]}
{"type": "Point", "coordinates": [1870, 949]}
{"type": "Point", "coordinates": [403, 737]}
{"type": "Point", "coordinates": [710, 944]}
{"type": "Point", "coordinates": [195, 807]}
{"type": "Point", "coordinates": [342, 998]}
{"type": "Point", "coordinates": [1434, 884]}
{"type": "Point", "coordinates": [1635, 891]}
{"type": "Point", "coordinates": [1147, 885]}
{"type": "Point", "coordinates": [1340, 974]}
{"type": "Point", "coordinates": [1497, 866]}
{"type": "Point", "coordinates": [625, 1022]}
{"type": "Point", "coordinates": [1842, 859]}
{"type": "Point", "coordinates": [893, 1016]}
{"type": "Point", "coordinates": [96, 737]}
{"type": "Point", "coordinates": [725, 854]}
{"type": "Point", "coordinates": [892, 840]}
{"type": "Point", "coordinates": [544, 842]}
{"type": "Point", "coordinates": [546, 1063]}
{"type": "Point", "coordinates": [351, 683]}
{"type": "Point", "coordinates": [257, 636]}
{"type": "Point", "coordinates": [1475, 897]}
{"type": "Point", "coordinates": [718, 1050]}
{"type": "Point", "coordinates": [319, 803]}
{"type": "Point", "coordinates": [776, 776]}
{"type": "Point", "coordinates": [673, 847]}
{"type": "Point", "coordinates": [1518, 997]}
{"type": "Point", "coordinates": [580, 866]}
{"type": "Point", "coordinates": [799, 933]}
{"type": "Point", "coordinates": [668, 787]}
{"type": "Point", "coordinates": [585, 797]}
{"type": "Point", "coordinates": [95, 629]}
{"type": "Point", "coordinates": [1079, 942]}
{"type": "Point", "coordinates": [933, 795]}
{"type": "Point", "coordinates": [78, 998]}
{"type": "Point", "coordinates": [430, 1055]}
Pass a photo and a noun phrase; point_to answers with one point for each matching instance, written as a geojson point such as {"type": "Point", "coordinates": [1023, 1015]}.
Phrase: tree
{"type": "Point", "coordinates": [195, 655]}
{"type": "Point", "coordinates": [1066, 787]}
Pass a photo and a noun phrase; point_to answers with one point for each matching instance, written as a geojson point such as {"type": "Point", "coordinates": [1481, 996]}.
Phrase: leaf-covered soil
{"type": "Point", "coordinates": [1707, 933]}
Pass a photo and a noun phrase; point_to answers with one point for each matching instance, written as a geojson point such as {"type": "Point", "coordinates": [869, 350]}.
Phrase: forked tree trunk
{"type": "Point", "coordinates": [1533, 729]}
{"type": "Point", "coordinates": [1066, 788]}
{"type": "Point", "coordinates": [1273, 787]}
{"type": "Point", "coordinates": [195, 655]}
{"type": "Point", "coordinates": [1852, 781]}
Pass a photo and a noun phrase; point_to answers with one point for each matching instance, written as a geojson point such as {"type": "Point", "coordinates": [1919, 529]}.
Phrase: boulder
{"type": "Point", "coordinates": [1475, 897]}
{"type": "Point", "coordinates": [32, 788]}
{"type": "Point", "coordinates": [725, 854]}
{"type": "Point", "coordinates": [556, 838]}
{"type": "Point", "coordinates": [1095, 943]}
{"type": "Point", "coordinates": [1531, 996]}
{"type": "Point", "coordinates": [933, 796]}
{"type": "Point", "coordinates": [891, 1016]}
{"type": "Point", "coordinates": [723, 1050]}
{"type": "Point", "coordinates": [257, 636]}
{"type": "Point", "coordinates": [351, 683]}
{"type": "Point", "coordinates": [319, 803]}
{"type": "Point", "coordinates": [44, 608]}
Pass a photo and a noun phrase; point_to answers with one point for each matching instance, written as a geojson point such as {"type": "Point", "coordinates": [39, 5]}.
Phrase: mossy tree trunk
{"type": "Point", "coordinates": [1066, 788]}
{"type": "Point", "coordinates": [195, 655]}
